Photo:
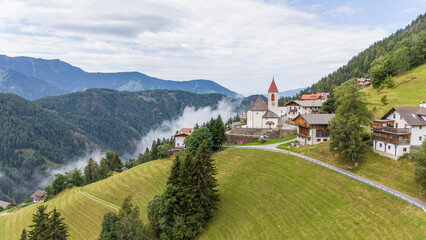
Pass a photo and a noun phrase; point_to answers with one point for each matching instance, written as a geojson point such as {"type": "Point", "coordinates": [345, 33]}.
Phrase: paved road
{"type": "Point", "coordinates": [412, 200]}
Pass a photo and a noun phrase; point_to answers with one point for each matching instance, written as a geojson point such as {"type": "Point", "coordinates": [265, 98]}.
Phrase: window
{"type": "Point", "coordinates": [318, 140]}
{"type": "Point", "coordinates": [420, 138]}
{"type": "Point", "coordinates": [420, 127]}
{"type": "Point", "coordinates": [389, 147]}
{"type": "Point", "coordinates": [273, 97]}
{"type": "Point", "coordinates": [404, 149]}
{"type": "Point", "coordinates": [380, 145]}
{"type": "Point", "coordinates": [394, 116]}
{"type": "Point", "coordinates": [325, 140]}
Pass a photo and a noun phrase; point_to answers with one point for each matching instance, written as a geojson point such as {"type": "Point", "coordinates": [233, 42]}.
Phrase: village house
{"type": "Point", "coordinates": [316, 96]}
{"type": "Point", "coordinates": [313, 128]}
{"type": "Point", "coordinates": [38, 196]}
{"type": "Point", "coordinates": [364, 82]}
{"type": "Point", "coordinates": [181, 135]}
{"type": "Point", "coordinates": [264, 115]}
{"type": "Point", "coordinates": [298, 107]}
{"type": "Point", "coordinates": [399, 130]}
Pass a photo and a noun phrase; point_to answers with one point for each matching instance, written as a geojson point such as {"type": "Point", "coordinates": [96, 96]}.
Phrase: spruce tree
{"type": "Point", "coordinates": [175, 171]}
{"type": "Point", "coordinates": [116, 163]}
{"type": "Point", "coordinates": [110, 228]}
{"type": "Point", "coordinates": [204, 182]}
{"type": "Point", "coordinates": [58, 230]}
{"type": "Point", "coordinates": [104, 169]}
{"type": "Point", "coordinates": [23, 235]}
{"type": "Point", "coordinates": [40, 227]}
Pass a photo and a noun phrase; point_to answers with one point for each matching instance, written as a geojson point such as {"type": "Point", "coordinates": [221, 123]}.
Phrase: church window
{"type": "Point", "coordinates": [273, 97]}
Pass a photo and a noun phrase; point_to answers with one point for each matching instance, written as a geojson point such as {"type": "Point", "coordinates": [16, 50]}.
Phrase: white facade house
{"type": "Point", "coordinates": [181, 135]}
{"type": "Point", "coordinates": [400, 129]}
{"type": "Point", "coordinates": [264, 115]}
{"type": "Point", "coordinates": [298, 107]}
{"type": "Point", "coordinates": [282, 112]}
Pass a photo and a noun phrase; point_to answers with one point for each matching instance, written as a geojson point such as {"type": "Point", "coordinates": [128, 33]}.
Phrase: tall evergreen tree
{"type": "Point", "coordinates": [104, 169]}
{"type": "Point", "coordinates": [40, 227]}
{"type": "Point", "coordinates": [23, 235]}
{"type": "Point", "coordinates": [175, 171]}
{"type": "Point", "coordinates": [58, 230]}
{"type": "Point", "coordinates": [116, 163]}
{"type": "Point", "coordinates": [91, 172]}
{"type": "Point", "coordinates": [110, 229]}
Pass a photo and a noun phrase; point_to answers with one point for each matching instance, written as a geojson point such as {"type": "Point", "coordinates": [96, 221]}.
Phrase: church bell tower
{"type": "Point", "coordinates": [273, 97]}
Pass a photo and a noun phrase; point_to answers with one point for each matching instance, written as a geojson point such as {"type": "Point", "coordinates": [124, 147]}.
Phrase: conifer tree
{"type": "Point", "coordinates": [110, 229]}
{"type": "Point", "coordinates": [23, 235]}
{"type": "Point", "coordinates": [91, 172]}
{"type": "Point", "coordinates": [40, 227]}
{"type": "Point", "coordinates": [58, 230]}
{"type": "Point", "coordinates": [116, 163]}
{"type": "Point", "coordinates": [104, 169]}
{"type": "Point", "coordinates": [175, 171]}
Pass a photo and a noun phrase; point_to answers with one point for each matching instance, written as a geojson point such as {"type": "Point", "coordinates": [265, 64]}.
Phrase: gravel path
{"type": "Point", "coordinates": [412, 200]}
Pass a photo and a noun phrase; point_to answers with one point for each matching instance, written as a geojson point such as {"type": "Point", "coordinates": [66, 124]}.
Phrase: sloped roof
{"type": "Point", "coordinates": [310, 96]}
{"type": "Point", "coordinates": [318, 119]}
{"type": "Point", "coordinates": [269, 114]}
{"type": "Point", "coordinates": [273, 87]}
{"type": "Point", "coordinates": [38, 194]}
{"type": "Point", "coordinates": [258, 105]}
{"type": "Point", "coordinates": [307, 103]}
{"type": "Point", "coordinates": [185, 131]}
{"type": "Point", "coordinates": [409, 114]}
{"type": "Point", "coordinates": [4, 204]}
{"type": "Point", "coordinates": [421, 111]}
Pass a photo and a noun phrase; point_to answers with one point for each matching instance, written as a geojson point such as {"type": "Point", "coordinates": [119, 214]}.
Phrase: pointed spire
{"type": "Point", "coordinates": [273, 87]}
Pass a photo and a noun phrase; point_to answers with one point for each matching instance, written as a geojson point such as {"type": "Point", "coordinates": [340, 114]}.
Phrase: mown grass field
{"type": "Point", "coordinates": [82, 215]}
{"type": "Point", "coordinates": [409, 90]}
{"type": "Point", "coordinates": [395, 174]}
{"type": "Point", "coordinates": [264, 195]}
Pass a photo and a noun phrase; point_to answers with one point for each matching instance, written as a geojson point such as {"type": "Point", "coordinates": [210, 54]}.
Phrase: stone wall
{"type": "Point", "coordinates": [246, 135]}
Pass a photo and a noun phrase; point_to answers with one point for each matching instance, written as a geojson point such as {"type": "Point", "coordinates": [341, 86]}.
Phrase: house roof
{"type": "Point", "coordinates": [307, 103]}
{"type": "Point", "coordinates": [269, 114]}
{"type": "Point", "coordinates": [409, 114]}
{"type": "Point", "coordinates": [273, 87]}
{"type": "Point", "coordinates": [258, 105]}
{"type": "Point", "coordinates": [421, 111]}
{"type": "Point", "coordinates": [310, 96]}
{"type": "Point", "coordinates": [185, 131]}
{"type": "Point", "coordinates": [4, 204]}
{"type": "Point", "coordinates": [38, 194]}
{"type": "Point", "coordinates": [318, 119]}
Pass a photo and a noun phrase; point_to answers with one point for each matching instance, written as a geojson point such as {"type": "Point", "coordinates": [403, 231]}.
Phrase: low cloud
{"type": "Point", "coordinates": [189, 118]}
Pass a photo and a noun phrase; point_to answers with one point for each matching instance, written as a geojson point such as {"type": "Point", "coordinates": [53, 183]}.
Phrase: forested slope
{"type": "Point", "coordinates": [401, 51]}
{"type": "Point", "coordinates": [30, 138]}
{"type": "Point", "coordinates": [120, 119]}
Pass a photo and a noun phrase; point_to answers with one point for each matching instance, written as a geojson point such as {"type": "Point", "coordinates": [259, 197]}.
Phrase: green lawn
{"type": "Point", "coordinates": [395, 174]}
{"type": "Point", "coordinates": [409, 91]}
{"type": "Point", "coordinates": [264, 195]}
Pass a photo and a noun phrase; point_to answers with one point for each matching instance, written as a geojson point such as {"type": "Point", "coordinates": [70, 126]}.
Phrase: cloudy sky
{"type": "Point", "coordinates": [240, 44]}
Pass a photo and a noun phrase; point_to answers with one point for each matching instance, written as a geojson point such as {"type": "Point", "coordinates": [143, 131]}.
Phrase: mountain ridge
{"type": "Point", "coordinates": [65, 76]}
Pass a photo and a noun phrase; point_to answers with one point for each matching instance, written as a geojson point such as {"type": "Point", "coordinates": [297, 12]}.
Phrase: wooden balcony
{"type": "Point", "coordinates": [399, 131]}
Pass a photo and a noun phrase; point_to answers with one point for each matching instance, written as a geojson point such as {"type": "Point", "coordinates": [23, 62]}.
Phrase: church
{"type": "Point", "coordinates": [264, 115]}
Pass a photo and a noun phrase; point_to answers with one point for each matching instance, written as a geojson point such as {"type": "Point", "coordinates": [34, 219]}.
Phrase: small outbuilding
{"type": "Point", "coordinates": [38, 196]}
{"type": "Point", "coordinates": [4, 204]}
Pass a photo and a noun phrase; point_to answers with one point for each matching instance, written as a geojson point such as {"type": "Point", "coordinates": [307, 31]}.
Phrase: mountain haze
{"type": "Point", "coordinates": [62, 75]}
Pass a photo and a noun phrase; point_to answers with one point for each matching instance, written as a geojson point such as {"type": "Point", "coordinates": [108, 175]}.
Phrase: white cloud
{"type": "Point", "coordinates": [344, 10]}
{"type": "Point", "coordinates": [240, 44]}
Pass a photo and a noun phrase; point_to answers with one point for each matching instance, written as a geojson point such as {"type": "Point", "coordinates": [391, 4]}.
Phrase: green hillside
{"type": "Point", "coordinates": [264, 195]}
{"type": "Point", "coordinates": [409, 90]}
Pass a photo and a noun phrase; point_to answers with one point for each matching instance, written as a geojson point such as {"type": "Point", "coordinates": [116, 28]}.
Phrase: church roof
{"type": "Point", "coordinates": [269, 114]}
{"type": "Point", "coordinates": [258, 105]}
{"type": "Point", "coordinates": [273, 87]}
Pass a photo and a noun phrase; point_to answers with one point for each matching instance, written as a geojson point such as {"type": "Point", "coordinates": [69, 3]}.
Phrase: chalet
{"type": "Point", "coordinates": [298, 107]}
{"type": "Point", "coordinates": [38, 196]}
{"type": "Point", "coordinates": [313, 128]}
{"type": "Point", "coordinates": [400, 129]}
{"type": "Point", "coordinates": [364, 82]}
{"type": "Point", "coordinates": [4, 204]}
{"type": "Point", "coordinates": [181, 135]}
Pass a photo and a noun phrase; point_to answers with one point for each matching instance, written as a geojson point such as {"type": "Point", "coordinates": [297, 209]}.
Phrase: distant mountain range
{"type": "Point", "coordinates": [290, 93]}
{"type": "Point", "coordinates": [39, 77]}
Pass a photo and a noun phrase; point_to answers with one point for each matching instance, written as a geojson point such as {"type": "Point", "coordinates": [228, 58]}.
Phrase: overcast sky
{"type": "Point", "coordinates": [240, 44]}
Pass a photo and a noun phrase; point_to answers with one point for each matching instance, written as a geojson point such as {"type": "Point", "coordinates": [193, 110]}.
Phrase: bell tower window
{"type": "Point", "coordinates": [273, 97]}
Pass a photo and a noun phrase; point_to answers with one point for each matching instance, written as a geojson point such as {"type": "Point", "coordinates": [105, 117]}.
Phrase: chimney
{"type": "Point", "coordinates": [423, 104]}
